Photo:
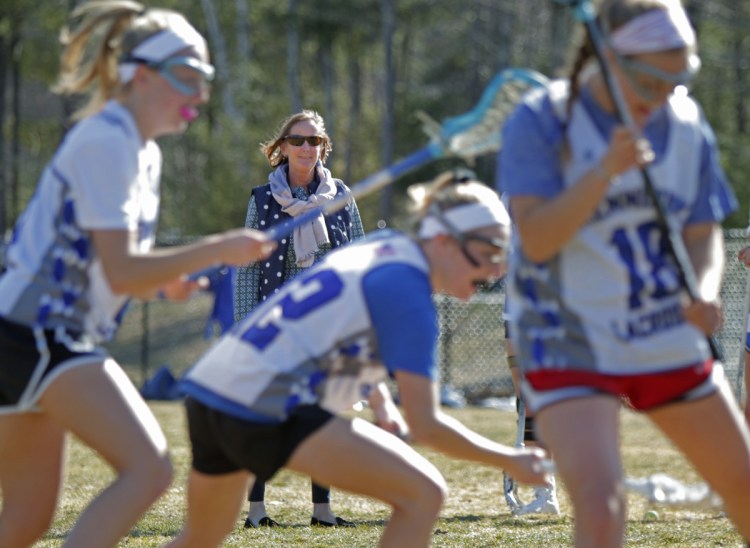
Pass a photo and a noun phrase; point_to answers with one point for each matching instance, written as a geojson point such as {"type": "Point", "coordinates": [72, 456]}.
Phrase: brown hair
{"type": "Point", "coordinates": [271, 149]}
{"type": "Point", "coordinates": [614, 13]}
{"type": "Point", "coordinates": [98, 34]}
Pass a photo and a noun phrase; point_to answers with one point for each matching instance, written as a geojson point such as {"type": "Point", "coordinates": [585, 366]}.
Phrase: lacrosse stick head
{"type": "Point", "coordinates": [477, 132]}
{"type": "Point", "coordinates": [665, 490]}
{"type": "Point", "coordinates": [510, 490]}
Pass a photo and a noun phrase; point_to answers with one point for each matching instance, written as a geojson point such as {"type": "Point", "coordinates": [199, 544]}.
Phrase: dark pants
{"type": "Point", "coordinates": [319, 494]}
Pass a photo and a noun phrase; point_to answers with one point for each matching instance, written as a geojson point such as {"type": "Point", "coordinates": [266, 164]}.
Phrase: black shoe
{"type": "Point", "coordinates": [265, 521]}
{"type": "Point", "coordinates": [340, 522]}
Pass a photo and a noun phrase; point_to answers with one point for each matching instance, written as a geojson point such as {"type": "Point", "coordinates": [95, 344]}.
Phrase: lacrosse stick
{"type": "Point", "coordinates": [467, 136]}
{"type": "Point", "coordinates": [664, 490]}
{"type": "Point", "coordinates": [510, 486]}
{"type": "Point", "coordinates": [675, 246]}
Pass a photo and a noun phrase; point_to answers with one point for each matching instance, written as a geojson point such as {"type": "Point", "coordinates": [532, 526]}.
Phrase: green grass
{"type": "Point", "coordinates": [475, 513]}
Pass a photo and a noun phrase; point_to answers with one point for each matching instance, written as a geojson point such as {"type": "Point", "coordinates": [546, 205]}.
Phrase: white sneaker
{"type": "Point", "coordinates": [545, 502]}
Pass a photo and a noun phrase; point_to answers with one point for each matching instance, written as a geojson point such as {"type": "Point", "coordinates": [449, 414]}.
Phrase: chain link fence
{"type": "Point", "coordinates": [734, 293]}
{"type": "Point", "coordinates": [472, 357]}
{"type": "Point", "coordinates": [470, 350]}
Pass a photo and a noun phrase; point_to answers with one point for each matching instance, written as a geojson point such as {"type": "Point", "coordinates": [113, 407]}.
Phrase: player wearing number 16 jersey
{"type": "Point", "coordinates": [610, 301]}
{"type": "Point", "coordinates": [266, 396]}
{"type": "Point", "coordinates": [599, 308]}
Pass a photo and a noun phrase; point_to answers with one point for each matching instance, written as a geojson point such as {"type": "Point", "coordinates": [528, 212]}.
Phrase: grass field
{"type": "Point", "coordinates": [475, 513]}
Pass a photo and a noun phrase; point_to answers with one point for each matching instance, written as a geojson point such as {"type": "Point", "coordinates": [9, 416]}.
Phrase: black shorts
{"type": "Point", "coordinates": [223, 444]}
{"type": "Point", "coordinates": [25, 371]}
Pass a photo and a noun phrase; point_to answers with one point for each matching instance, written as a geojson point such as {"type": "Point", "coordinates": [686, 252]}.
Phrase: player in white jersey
{"type": "Point", "coordinates": [598, 311]}
{"type": "Point", "coordinates": [268, 394]}
{"type": "Point", "coordinates": [81, 248]}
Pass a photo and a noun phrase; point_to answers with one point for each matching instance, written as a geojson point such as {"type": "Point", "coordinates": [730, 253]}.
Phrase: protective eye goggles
{"type": "Point", "coordinates": [657, 78]}
{"type": "Point", "coordinates": [298, 140]}
{"type": "Point", "coordinates": [500, 254]}
{"type": "Point", "coordinates": [186, 86]}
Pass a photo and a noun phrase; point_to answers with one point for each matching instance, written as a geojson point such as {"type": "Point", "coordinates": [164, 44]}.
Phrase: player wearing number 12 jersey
{"type": "Point", "coordinates": [266, 396]}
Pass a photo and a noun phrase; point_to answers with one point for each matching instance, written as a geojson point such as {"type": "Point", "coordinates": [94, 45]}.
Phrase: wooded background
{"type": "Point", "coordinates": [366, 65]}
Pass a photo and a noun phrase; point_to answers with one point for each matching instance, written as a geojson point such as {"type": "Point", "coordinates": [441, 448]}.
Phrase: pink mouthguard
{"type": "Point", "coordinates": [188, 113]}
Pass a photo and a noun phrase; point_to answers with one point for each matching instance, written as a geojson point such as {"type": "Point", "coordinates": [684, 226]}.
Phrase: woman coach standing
{"type": "Point", "coordinates": [299, 181]}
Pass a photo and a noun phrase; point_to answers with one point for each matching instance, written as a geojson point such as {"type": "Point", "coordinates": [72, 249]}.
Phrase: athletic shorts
{"type": "Point", "coordinates": [223, 444]}
{"type": "Point", "coordinates": [747, 335]}
{"type": "Point", "coordinates": [640, 392]}
{"type": "Point", "coordinates": [32, 359]}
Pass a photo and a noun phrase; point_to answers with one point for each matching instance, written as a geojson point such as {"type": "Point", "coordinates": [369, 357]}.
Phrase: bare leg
{"type": "Point", "coordinates": [714, 437]}
{"type": "Point", "coordinates": [100, 405]}
{"type": "Point", "coordinates": [214, 501]}
{"type": "Point", "coordinates": [374, 463]}
{"type": "Point", "coordinates": [589, 426]}
{"type": "Point", "coordinates": [31, 449]}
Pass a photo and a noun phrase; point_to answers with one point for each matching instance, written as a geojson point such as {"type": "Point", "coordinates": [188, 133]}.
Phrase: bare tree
{"type": "Point", "coordinates": [353, 117]}
{"type": "Point", "coordinates": [506, 19]}
{"type": "Point", "coordinates": [388, 12]}
{"type": "Point", "coordinates": [741, 62]}
{"type": "Point", "coordinates": [292, 55]}
{"type": "Point", "coordinates": [560, 32]}
{"type": "Point", "coordinates": [221, 60]}
{"type": "Point", "coordinates": [15, 153]}
{"type": "Point", "coordinates": [244, 53]}
{"type": "Point", "coordinates": [325, 53]}
{"type": "Point", "coordinates": [3, 161]}
{"type": "Point", "coordinates": [244, 49]}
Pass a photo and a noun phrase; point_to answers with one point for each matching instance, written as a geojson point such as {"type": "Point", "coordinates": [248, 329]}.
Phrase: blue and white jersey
{"type": "Point", "coordinates": [103, 177]}
{"type": "Point", "coordinates": [610, 300]}
{"type": "Point", "coordinates": [327, 336]}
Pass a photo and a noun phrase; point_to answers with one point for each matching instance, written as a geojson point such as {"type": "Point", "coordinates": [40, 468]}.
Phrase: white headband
{"type": "Point", "coordinates": [465, 218]}
{"type": "Point", "coordinates": [161, 45]}
{"type": "Point", "coordinates": [655, 30]}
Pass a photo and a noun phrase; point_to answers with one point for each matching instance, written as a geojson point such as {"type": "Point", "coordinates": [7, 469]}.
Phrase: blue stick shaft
{"type": "Point", "coordinates": [374, 182]}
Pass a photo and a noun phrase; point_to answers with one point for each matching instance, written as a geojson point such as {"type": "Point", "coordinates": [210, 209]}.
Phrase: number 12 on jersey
{"type": "Point", "coordinates": [309, 293]}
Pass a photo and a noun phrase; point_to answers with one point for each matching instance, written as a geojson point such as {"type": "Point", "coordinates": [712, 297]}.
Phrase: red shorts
{"type": "Point", "coordinates": [642, 392]}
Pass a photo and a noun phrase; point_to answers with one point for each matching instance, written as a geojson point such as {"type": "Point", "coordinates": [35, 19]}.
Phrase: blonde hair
{"type": "Point", "coordinates": [99, 33]}
{"type": "Point", "coordinates": [271, 149]}
{"type": "Point", "coordinates": [448, 190]}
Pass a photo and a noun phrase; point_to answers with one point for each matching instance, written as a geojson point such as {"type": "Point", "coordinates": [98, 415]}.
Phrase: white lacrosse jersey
{"type": "Point", "coordinates": [328, 336]}
{"type": "Point", "coordinates": [103, 176]}
{"type": "Point", "coordinates": [610, 300]}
